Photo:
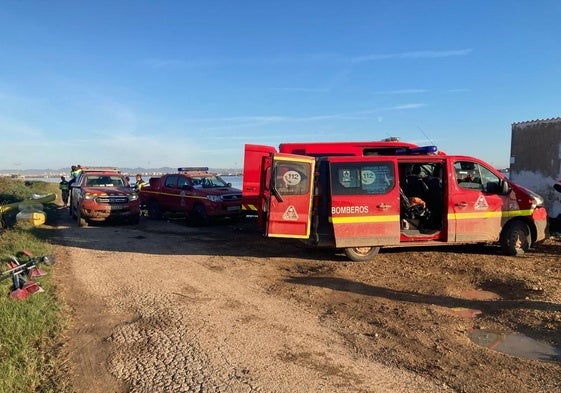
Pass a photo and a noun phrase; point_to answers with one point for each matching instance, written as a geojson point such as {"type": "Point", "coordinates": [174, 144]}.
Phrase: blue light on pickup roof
{"type": "Point", "coordinates": [417, 150]}
{"type": "Point", "coordinates": [193, 169]}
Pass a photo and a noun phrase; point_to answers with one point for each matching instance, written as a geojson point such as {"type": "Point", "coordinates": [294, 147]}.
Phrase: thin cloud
{"type": "Point", "coordinates": [301, 89]}
{"type": "Point", "coordinates": [402, 91]}
{"type": "Point", "coordinates": [320, 58]}
{"type": "Point", "coordinates": [178, 63]}
{"type": "Point", "coordinates": [412, 55]}
{"type": "Point", "coordinates": [252, 121]}
{"type": "Point", "coordinates": [458, 90]}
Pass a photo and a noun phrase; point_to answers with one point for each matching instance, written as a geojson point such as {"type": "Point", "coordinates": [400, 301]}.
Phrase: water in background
{"type": "Point", "coordinates": [235, 180]}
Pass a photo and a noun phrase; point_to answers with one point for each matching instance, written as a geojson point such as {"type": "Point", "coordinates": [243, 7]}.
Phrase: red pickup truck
{"type": "Point", "coordinates": [102, 193]}
{"type": "Point", "coordinates": [193, 191]}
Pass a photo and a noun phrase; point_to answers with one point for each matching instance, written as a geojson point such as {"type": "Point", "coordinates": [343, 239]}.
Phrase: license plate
{"type": "Point", "coordinates": [116, 207]}
{"type": "Point", "coordinates": [234, 208]}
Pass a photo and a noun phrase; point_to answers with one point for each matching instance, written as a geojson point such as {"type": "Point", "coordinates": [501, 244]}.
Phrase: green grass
{"type": "Point", "coordinates": [30, 330]}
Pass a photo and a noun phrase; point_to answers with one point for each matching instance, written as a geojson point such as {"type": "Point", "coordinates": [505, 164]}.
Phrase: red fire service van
{"type": "Point", "coordinates": [360, 196]}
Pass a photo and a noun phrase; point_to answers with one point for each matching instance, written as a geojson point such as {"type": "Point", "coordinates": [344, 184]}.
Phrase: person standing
{"type": "Point", "coordinates": [139, 182]}
{"type": "Point", "coordinates": [64, 189]}
{"type": "Point", "coordinates": [75, 171]}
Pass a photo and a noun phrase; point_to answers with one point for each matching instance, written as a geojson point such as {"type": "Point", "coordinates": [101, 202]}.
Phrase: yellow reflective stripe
{"type": "Point", "coordinates": [516, 213]}
{"type": "Point", "coordinates": [467, 216]}
{"type": "Point", "coordinates": [306, 160]}
{"type": "Point", "coordinates": [249, 207]}
{"type": "Point", "coordinates": [363, 219]}
{"type": "Point", "coordinates": [290, 236]}
{"type": "Point", "coordinates": [487, 214]}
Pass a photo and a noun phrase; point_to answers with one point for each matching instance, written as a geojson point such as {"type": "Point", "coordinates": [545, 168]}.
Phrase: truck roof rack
{"type": "Point", "coordinates": [100, 169]}
{"type": "Point", "coordinates": [185, 169]}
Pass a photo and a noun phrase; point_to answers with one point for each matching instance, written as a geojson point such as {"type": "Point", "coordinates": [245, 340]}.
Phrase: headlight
{"type": "Point", "coordinates": [538, 199]}
{"type": "Point", "coordinates": [214, 198]}
{"type": "Point", "coordinates": [133, 197]}
{"type": "Point", "coordinates": [89, 196]}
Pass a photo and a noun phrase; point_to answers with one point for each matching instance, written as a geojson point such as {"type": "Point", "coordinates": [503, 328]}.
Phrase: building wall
{"type": "Point", "coordinates": [535, 159]}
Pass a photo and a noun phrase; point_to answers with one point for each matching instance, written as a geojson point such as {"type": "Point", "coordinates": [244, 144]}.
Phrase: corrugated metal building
{"type": "Point", "coordinates": [535, 159]}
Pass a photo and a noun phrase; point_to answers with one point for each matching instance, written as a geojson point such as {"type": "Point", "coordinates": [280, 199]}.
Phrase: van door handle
{"type": "Point", "coordinates": [461, 204]}
{"type": "Point", "coordinates": [383, 206]}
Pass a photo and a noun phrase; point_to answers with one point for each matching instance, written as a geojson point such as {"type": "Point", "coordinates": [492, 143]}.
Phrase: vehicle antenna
{"type": "Point", "coordinates": [425, 135]}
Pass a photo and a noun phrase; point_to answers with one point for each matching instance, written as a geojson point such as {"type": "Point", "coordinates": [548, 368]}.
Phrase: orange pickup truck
{"type": "Point", "coordinates": [100, 194]}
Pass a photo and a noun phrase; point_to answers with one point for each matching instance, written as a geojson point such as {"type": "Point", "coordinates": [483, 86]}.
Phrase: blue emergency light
{"type": "Point", "coordinates": [193, 169]}
{"type": "Point", "coordinates": [417, 150]}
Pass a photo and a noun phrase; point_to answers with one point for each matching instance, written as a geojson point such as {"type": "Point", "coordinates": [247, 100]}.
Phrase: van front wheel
{"type": "Point", "coordinates": [515, 238]}
{"type": "Point", "coordinates": [361, 254]}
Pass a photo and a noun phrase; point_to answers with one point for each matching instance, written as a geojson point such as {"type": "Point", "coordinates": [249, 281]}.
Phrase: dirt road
{"type": "Point", "coordinates": [164, 307]}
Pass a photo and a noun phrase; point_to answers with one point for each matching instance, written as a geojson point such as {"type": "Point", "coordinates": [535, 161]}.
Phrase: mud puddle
{"type": "Point", "coordinates": [515, 344]}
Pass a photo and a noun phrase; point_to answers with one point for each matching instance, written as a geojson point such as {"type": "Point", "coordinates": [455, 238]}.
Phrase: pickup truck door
{"type": "Point", "coordinates": [170, 194]}
{"type": "Point", "coordinates": [290, 195]}
{"type": "Point", "coordinates": [365, 205]}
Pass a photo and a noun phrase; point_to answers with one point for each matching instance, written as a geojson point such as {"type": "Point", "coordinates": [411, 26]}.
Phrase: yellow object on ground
{"type": "Point", "coordinates": [35, 217]}
{"type": "Point", "coordinates": [28, 202]}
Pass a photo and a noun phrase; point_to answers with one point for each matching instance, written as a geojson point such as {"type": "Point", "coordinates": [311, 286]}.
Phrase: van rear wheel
{"type": "Point", "coordinates": [361, 254]}
{"type": "Point", "coordinates": [515, 238]}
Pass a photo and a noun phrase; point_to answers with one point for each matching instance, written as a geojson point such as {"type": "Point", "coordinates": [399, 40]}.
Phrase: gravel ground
{"type": "Point", "coordinates": [164, 307]}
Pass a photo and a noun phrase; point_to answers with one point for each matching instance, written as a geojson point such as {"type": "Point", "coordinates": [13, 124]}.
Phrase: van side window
{"type": "Point", "coordinates": [467, 175]}
{"type": "Point", "coordinates": [471, 175]}
{"type": "Point", "coordinates": [362, 178]}
{"type": "Point", "coordinates": [490, 182]}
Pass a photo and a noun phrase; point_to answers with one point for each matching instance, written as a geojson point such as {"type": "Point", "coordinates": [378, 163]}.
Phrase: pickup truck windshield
{"type": "Point", "coordinates": [104, 181]}
{"type": "Point", "coordinates": [208, 181]}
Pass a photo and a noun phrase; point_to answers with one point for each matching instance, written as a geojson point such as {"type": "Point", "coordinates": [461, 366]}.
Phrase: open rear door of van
{"type": "Point", "coordinates": [256, 175]}
{"type": "Point", "coordinates": [290, 196]}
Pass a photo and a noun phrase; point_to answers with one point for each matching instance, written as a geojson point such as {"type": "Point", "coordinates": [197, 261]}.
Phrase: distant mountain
{"type": "Point", "coordinates": [129, 171]}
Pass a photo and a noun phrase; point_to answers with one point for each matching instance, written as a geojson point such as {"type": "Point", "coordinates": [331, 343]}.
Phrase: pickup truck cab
{"type": "Point", "coordinates": [194, 192]}
{"type": "Point", "coordinates": [100, 194]}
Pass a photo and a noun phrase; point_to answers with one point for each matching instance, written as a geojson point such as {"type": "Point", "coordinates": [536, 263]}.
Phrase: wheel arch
{"type": "Point", "coordinates": [526, 221]}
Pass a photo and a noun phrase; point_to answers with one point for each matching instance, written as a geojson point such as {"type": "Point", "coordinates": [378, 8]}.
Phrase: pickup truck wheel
{"type": "Point", "coordinates": [154, 211]}
{"type": "Point", "coordinates": [81, 221]}
{"type": "Point", "coordinates": [199, 217]}
{"type": "Point", "coordinates": [515, 238]}
{"type": "Point", "coordinates": [361, 254]}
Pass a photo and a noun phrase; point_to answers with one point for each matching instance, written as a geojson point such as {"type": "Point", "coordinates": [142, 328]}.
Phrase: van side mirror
{"type": "Point", "coordinates": [505, 187]}
{"type": "Point", "coordinates": [229, 184]}
{"type": "Point", "coordinates": [493, 188]}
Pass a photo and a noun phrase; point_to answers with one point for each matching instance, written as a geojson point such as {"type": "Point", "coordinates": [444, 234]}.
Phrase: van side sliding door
{"type": "Point", "coordinates": [365, 206]}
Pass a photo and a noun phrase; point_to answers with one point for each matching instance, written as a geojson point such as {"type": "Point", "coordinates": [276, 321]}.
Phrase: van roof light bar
{"type": "Point", "coordinates": [417, 150]}
{"type": "Point", "coordinates": [192, 169]}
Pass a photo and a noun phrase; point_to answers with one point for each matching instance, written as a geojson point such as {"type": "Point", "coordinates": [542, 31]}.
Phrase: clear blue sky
{"type": "Point", "coordinates": [174, 83]}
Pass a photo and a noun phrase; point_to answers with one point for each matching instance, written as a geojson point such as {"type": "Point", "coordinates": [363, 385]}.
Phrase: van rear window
{"type": "Point", "coordinates": [362, 178]}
